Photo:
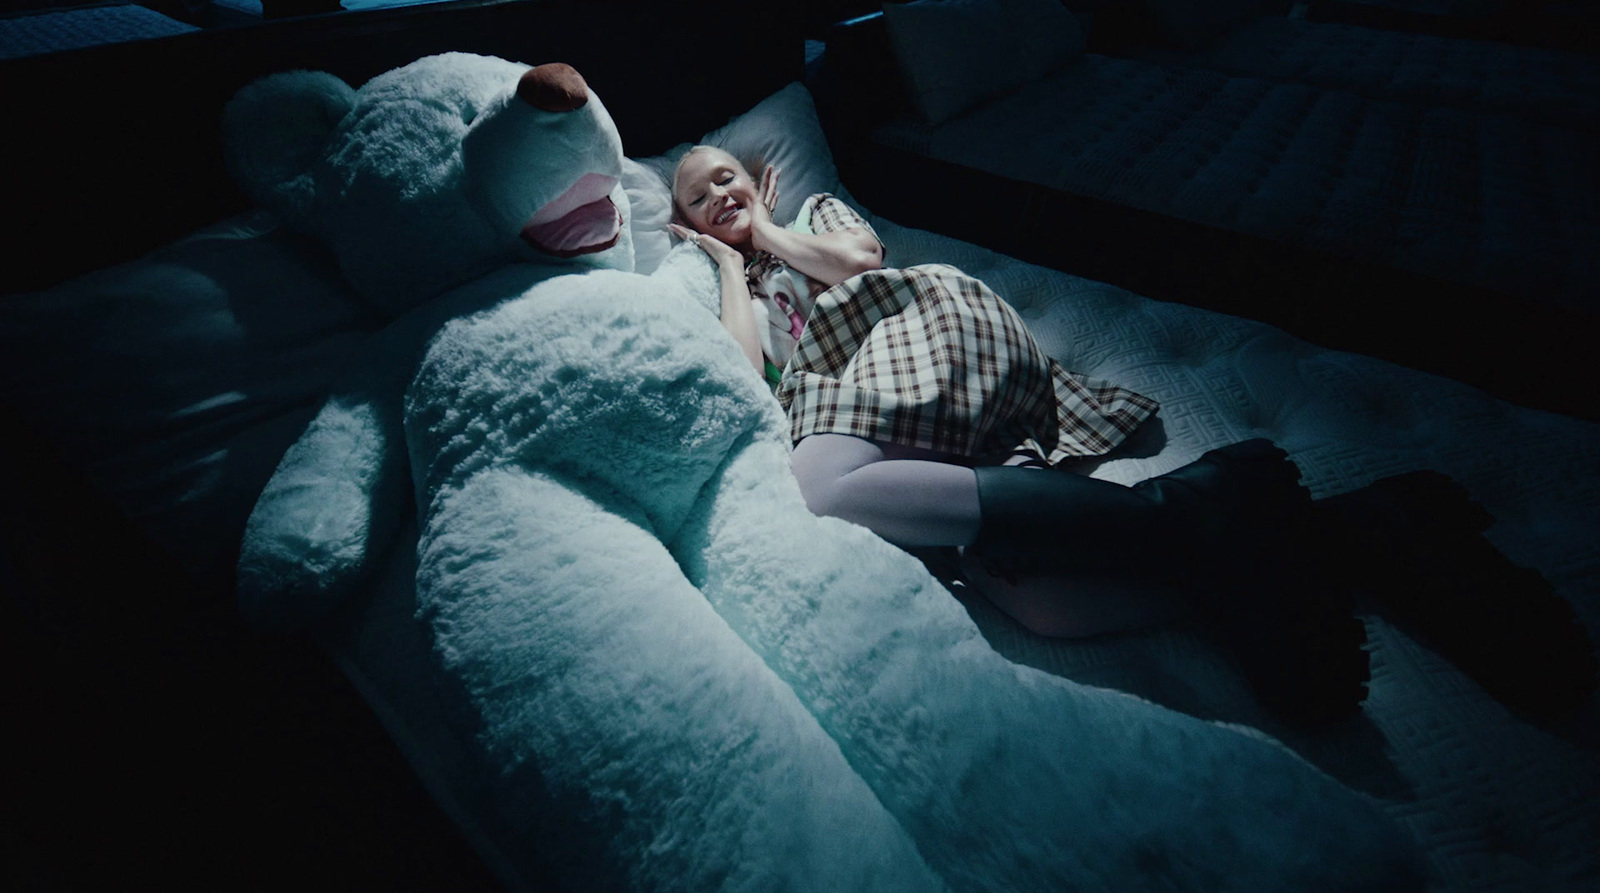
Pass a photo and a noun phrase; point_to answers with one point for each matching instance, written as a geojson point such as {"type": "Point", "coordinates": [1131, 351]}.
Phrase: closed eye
{"type": "Point", "coordinates": [726, 179]}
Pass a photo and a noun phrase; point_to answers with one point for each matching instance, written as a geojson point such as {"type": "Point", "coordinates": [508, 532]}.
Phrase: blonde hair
{"type": "Point", "coordinates": [677, 212]}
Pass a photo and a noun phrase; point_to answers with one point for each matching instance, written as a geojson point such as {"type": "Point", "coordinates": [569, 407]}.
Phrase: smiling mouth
{"type": "Point", "coordinates": [727, 215]}
{"type": "Point", "coordinates": [581, 220]}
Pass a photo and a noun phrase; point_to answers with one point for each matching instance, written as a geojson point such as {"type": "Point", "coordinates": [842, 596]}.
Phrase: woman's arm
{"type": "Point", "coordinates": [738, 317]}
{"type": "Point", "coordinates": [829, 258]}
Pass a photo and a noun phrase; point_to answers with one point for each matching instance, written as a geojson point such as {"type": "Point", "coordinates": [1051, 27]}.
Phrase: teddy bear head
{"type": "Point", "coordinates": [437, 172]}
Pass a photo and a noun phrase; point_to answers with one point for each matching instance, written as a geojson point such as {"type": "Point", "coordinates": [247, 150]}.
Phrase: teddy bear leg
{"type": "Point", "coordinates": [1007, 777]}
{"type": "Point", "coordinates": [597, 675]}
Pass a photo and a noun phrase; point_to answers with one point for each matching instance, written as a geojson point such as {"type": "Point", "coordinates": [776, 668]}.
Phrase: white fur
{"type": "Point", "coordinates": [381, 173]}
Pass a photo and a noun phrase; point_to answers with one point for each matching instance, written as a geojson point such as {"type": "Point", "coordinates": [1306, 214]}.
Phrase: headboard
{"type": "Point", "coordinates": [116, 149]}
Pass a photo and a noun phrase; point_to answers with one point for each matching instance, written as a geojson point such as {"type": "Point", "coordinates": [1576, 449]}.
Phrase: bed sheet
{"type": "Point", "coordinates": [1488, 200]}
{"type": "Point", "coordinates": [1499, 804]}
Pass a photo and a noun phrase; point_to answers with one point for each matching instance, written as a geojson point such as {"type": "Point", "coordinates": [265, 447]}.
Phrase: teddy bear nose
{"type": "Point", "coordinates": [554, 87]}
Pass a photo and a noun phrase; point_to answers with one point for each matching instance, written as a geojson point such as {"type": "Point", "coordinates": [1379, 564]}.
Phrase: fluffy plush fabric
{"type": "Point", "coordinates": [679, 677]}
{"type": "Point", "coordinates": [420, 181]}
{"type": "Point", "coordinates": [560, 439]}
{"type": "Point", "coordinates": [406, 178]}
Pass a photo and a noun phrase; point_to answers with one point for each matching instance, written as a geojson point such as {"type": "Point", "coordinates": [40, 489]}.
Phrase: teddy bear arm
{"type": "Point", "coordinates": [328, 513]}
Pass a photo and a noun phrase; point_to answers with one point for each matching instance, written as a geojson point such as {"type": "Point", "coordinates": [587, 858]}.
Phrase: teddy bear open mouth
{"type": "Point", "coordinates": [581, 220]}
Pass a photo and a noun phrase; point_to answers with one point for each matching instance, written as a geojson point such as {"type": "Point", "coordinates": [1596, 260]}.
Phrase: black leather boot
{"type": "Point", "coordinates": [1228, 530]}
{"type": "Point", "coordinates": [1176, 528]}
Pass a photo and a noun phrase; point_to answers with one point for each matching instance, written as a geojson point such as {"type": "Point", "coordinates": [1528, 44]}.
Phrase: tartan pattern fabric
{"type": "Point", "coordinates": [827, 214]}
{"type": "Point", "coordinates": [930, 357]}
{"type": "Point", "coordinates": [784, 297]}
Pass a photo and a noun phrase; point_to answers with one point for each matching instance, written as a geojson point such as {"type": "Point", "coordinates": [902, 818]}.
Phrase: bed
{"type": "Point", "coordinates": [54, 30]}
{"type": "Point", "coordinates": [1235, 188]}
{"type": "Point", "coordinates": [1563, 24]}
{"type": "Point", "coordinates": [1540, 84]}
{"type": "Point", "coordinates": [173, 380]}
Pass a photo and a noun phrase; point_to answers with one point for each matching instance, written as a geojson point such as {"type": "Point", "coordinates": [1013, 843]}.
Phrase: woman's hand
{"type": "Point", "coordinates": [767, 193]}
{"type": "Point", "coordinates": [829, 257]}
{"type": "Point", "coordinates": [718, 250]}
{"type": "Point", "coordinates": [761, 206]}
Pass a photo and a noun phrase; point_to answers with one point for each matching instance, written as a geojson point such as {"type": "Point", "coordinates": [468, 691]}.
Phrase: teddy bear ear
{"type": "Point", "coordinates": [274, 129]}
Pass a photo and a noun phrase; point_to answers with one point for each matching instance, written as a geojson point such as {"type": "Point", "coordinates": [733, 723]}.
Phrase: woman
{"type": "Point", "coordinates": [922, 409]}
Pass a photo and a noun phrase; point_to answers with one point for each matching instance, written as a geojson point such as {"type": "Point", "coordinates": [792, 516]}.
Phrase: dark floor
{"type": "Point", "coordinates": [155, 741]}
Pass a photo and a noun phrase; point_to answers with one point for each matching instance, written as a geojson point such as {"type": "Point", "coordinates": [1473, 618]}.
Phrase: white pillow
{"type": "Point", "coordinates": [954, 54]}
{"type": "Point", "coordinates": [781, 130]}
{"type": "Point", "coordinates": [650, 207]}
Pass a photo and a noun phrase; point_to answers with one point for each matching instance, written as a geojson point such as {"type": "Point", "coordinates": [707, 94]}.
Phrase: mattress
{"type": "Point", "coordinates": [1554, 86]}
{"type": "Point", "coordinates": [1488, 200]}
{"type": "Point", "coordinates": [70, 29]}
{"type": "Point", "coordinates": [178, 380]}
{"type": "Point", "coordinates": [253, 7]}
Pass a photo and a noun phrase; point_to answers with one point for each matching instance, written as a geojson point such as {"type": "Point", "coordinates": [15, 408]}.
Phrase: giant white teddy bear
{"type": "Point", "coordinates": [678, 677]}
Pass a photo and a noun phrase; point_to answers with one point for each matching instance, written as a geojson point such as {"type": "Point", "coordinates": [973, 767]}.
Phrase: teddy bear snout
{"type": "Point", "coordinates": [553, 87]}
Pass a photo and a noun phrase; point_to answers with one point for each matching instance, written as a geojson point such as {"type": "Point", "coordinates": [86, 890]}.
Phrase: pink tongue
{"type": "Point", "coordinates": [586, 228]}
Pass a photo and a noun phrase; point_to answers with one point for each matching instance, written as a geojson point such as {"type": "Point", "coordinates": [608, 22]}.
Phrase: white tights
{"type": "Point", "coordinates": [917, 498]}
{"type": "Point", "coordinates": [908, 496]}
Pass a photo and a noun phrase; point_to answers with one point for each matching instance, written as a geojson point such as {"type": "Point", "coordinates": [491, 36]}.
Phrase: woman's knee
{"type": "Point", "coordinates": [821, 461]}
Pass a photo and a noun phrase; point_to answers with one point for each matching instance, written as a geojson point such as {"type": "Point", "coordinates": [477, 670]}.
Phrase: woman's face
{"type": "Point", "coordinates": [714, 195]}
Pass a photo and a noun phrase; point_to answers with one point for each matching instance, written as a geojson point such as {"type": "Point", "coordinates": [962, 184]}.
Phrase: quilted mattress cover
{"type": "Point", "coordinates": [68, 29]}
{"type": "Point", "coordinates": [178, 380]}
{"type": "Point", "coordinates": [1489, 200]}
{"type": "Point", "coordinates": [1554, 86]}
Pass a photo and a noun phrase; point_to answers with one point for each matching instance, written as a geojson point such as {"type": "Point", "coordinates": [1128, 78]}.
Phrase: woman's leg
{"type": "Point", "coordinates": [928, 500]}
{"type": "Point", "coordinates": [916, 498]}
